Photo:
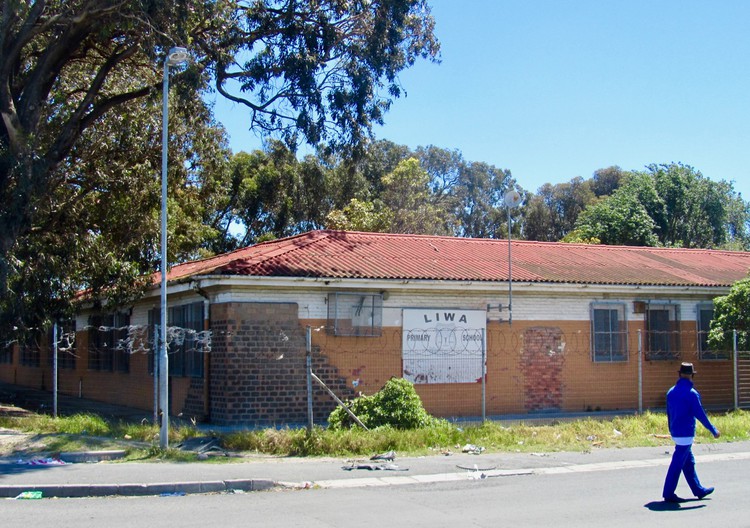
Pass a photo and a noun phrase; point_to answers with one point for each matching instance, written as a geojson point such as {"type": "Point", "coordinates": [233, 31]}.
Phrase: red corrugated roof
{"type": "Point", "coordinates": [346, 254]}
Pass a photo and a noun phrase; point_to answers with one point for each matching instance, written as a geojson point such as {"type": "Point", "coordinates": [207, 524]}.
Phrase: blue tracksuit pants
{"type": "Point", "coordinates": [682, 462]}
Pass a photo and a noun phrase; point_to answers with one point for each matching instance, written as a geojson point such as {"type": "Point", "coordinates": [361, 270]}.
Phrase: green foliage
{"type": "Point", "coordinates": [622, 218]}
{"type": "Point", "coordinates": [396, 405]}
{"type": "Point", "coordinates": [731, 312]}
{"type": "Point", "coordinates": [552, 213]}
{"type": "Point", "coordinates": [360, 216]}
{"type": "Point", "coordinates": [437, 437]}
{"type": "Point", "coordinates": [667, 205]}
{"type": "Point", "coordinates": [80, 138]}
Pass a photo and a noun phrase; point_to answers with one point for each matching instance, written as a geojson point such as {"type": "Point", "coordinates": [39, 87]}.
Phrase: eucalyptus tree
{"type": "Point", "coordinates": [72, 71]}
{"type": "Point", "coordinates": [553, 211]}
{"type": "Point", "coordinates": [668, 205]}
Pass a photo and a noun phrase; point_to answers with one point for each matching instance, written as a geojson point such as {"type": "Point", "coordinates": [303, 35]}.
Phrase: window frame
{"type": "Point", "coordinates": [105, 352]}
{"type": "Point", "coordinates": [662, 344]}
{"type": "Point", "coordinates": [186, 360]}
{"type": "Point", "coordinates": [610, 335]}
{"type": "Point", "coordinates": [355, 314]}
{"type": "Point", "coordinates": [30, 352]}
{"type": "Point", "coordinates": [6, 353]}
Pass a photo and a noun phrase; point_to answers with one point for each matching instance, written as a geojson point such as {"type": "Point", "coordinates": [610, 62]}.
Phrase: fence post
{"type": "Point", "coordinates": [155, 353]}
{"type": "Point", "coordinates": [308, 354]}
{"type": "Point", "coordinates": [640, 372]}
{"type": "Point", "coordinates": [736, 371]}
{"type": "Point", "coordinates": [54, 369]}
{"type": "Point", "coordinates": [484, 376]}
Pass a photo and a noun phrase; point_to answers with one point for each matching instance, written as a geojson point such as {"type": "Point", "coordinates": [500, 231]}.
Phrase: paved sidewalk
{"type": "Point", "coordinates": [262, 473]}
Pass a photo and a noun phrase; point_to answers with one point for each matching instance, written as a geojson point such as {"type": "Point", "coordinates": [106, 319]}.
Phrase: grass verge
{"type": "Point", "coordinates": [88, 431]}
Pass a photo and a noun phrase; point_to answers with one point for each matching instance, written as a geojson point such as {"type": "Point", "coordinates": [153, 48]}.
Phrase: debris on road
{"type": "Point", "coordinates": [472, 449]}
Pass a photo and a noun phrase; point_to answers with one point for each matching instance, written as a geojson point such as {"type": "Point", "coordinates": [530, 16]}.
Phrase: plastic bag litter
{"type": "Point", "coordinates": [26, 495]}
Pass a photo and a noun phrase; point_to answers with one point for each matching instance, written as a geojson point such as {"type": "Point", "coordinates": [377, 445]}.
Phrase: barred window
{"type": "Point", "coordinates": [185, 350]}
{"type": "Point", "coordinates": [108, 342]}
{"type": "Point", "coordinates": [609, 332]}
{"type": "Point", "coordinates": [30, 353]}
{"type": "Point", "coordinates": [662, 329]}
{"type": "Point", "coordinates": [6, 352]}
{"type": "Point", "coordinates": [355, 314]}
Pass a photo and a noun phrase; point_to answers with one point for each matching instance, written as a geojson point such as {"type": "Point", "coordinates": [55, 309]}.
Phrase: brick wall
{"type": "Point", "coordinates": [258, 366]}
{"type": "Point", "coordinates": [542, 362]}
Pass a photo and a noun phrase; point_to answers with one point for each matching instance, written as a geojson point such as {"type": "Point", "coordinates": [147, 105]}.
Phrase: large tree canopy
{"type": "Point", "coordinates": [80, 82]}
{"type": "Point", "coordinates": [667, 205]}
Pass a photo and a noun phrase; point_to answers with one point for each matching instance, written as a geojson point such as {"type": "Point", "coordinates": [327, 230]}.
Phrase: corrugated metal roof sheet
{"type": "Point", "coordinates": [346, 254]}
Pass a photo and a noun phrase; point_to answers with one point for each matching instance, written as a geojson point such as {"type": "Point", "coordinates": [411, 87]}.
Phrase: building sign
{"type": "Point", "coordinates": [443, 346]}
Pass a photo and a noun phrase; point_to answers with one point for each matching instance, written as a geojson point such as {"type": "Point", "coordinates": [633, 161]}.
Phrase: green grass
{"type": "Point", "coordinates": [87, 431]}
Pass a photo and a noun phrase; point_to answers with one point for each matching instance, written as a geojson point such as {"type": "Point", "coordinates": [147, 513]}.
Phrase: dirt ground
{"type": "Point", "coordinates": [13, 442]}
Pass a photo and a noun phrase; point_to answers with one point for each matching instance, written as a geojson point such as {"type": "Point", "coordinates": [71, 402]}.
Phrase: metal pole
{"type": "Point", "coordinates": [640, 372]}
{"type": "Point", "coordinates": [155, 348]}
{"type": "Point", "coordinates": [510, 277]}
{"type": "Point", "coordinates": [175, 57]}
{"type": "Point", "coordinates": [163, 359]}
{"type": "Point", "coordinates": [736, 371]}
{"type": "Point", "coordinates": [484, 376]}
{"type": "Point", "coordinates": [54, 369]}
{"type": "Point", "coordinates": [308, 349]}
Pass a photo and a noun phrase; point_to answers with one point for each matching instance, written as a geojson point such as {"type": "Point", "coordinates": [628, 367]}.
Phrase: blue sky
{"type": "Point", "coordinates": [554, 89]}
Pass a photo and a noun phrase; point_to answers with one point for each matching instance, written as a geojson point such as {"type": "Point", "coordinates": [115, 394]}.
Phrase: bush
{"type": "Point", "coordinates": [397, 405]}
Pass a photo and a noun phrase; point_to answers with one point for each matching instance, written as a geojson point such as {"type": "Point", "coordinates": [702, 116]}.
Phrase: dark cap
{"type": "Point", "coordinates": [687, 368]}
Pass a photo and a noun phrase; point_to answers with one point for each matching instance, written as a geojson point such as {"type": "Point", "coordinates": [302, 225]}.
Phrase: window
{"type": "Point", "coordinates": [703, 321]}
{"type": "Point", "coordinates": [185, 325]}
{"type": "Point", "coordinates": [662, 330]}
{"type": "Point", "coordinates": [6, 352]}
{"type": "Point", "coordinates": [109, 348]}
{"type": "Point", "coordinates": [30, 352]}
{"type": "Point", "coordinates": [355, 314]}
{"type": "Point", "coordinates": [609, 336]}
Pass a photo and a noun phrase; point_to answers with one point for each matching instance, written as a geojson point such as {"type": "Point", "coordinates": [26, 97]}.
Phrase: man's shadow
{"type": "Point", "coordinates": [685, 505]}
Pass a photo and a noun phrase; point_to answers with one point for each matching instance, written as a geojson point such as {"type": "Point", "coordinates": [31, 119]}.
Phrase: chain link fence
{"type": "Point", "coordinates": [536, 370]}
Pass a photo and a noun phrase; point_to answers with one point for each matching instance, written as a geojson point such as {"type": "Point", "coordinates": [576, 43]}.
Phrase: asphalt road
{"type": "Point", "coordinates": [607, 498]}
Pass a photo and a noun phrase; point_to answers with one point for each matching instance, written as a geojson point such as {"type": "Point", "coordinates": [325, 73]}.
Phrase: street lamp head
{"type": "Point", "coordinates": [177, 56]}
{"type": "Point", "coordinates": [512, 199]}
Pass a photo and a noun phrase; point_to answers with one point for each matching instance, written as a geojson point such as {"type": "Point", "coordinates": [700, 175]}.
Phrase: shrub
{"type": "Point", "coordinates": [397, 405]}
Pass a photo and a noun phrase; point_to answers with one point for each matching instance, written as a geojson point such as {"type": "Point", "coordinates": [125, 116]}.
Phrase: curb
{"type": "Point", "coordinates": [65, 491]}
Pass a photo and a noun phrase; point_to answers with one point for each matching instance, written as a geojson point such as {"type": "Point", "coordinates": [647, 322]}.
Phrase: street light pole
{"type": "Point", "coordinates": [175, 57]}
{"type": "Point", "coordinates": [512, 198]}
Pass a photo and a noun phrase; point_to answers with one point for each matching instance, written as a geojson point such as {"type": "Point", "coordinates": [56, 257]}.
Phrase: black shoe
{"type": "Point", "coordinates": [706, 492]}
{"type": "Point", "coordinates": [674, 499]}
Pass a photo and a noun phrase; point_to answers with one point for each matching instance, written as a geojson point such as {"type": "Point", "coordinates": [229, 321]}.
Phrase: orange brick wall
{"type": "Point", "coordinates": [531, 367]}
{"type": "Point", "coordinates": [257, 371]}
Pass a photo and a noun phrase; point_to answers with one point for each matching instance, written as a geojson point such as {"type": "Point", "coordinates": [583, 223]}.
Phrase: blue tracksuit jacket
{"type": "Point", "coordinates": [683, 407]}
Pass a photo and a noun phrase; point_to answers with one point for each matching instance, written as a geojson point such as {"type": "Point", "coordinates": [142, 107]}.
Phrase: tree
{"type": "Point", "coordinates": [359, 215]}
{"type": "Point", "coordinates": [621, 219]}
{"type": "Point", "coordinates": [406, 195]}
{"type": "Point", "coordinates": [668, 205]}
{"type": "Point", "coordinates": [404, 206]}
{"type": "Point", "coordinates": [731, 312]}
{"type": "Point", "coordinates": [314, 70]}
{"type": "Point", "coordinates": [695, 208]}
{"type": "Point", "coordinates": [606, 181]}
{"type": "Point", "coordinates": [552, 213]}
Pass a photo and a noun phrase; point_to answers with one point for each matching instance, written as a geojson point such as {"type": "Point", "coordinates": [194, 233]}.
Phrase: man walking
{"type": "Point", "coordinates": [683, 407]}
